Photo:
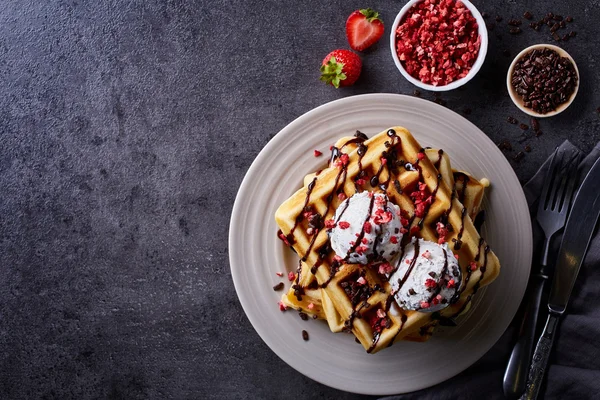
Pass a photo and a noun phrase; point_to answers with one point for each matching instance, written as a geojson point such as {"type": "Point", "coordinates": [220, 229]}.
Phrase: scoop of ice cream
{"type": "Point", "coordinates": [427, 277]}
{"type": "Point", "coordinates": [366, 227]}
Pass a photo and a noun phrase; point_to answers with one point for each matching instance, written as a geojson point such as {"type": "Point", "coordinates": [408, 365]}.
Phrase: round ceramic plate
{"type": "Point", "coordinates": [256, 254]}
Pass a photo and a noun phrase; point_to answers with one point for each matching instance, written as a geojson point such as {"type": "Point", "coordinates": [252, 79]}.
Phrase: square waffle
{"type": "Point", "coordinates": [470, 194]}
{"type": "Point", "coordinates": [392, 162]}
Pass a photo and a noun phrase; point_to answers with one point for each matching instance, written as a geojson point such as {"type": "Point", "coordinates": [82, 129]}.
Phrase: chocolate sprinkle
{"type": "Point", "coordinates": [278, 287]}
{"type": "Point", "coordinates": [305, 335]}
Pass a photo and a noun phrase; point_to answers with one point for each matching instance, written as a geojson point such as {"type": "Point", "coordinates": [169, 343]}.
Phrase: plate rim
{"type": "Point", "coordinates": [245, 186]}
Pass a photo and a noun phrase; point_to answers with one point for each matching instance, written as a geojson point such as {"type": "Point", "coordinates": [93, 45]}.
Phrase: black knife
{"type": "Point", "coordinates": [576, 239]}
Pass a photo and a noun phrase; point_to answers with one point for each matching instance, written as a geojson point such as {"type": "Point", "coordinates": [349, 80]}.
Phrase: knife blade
{"type": "Point", "coordinates": [576, 240]}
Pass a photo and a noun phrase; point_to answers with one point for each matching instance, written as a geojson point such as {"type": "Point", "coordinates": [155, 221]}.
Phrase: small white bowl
{"type": "Point", "coordinates": [516, 98]}
{"type": "Point", "coordinates": [454, 84]}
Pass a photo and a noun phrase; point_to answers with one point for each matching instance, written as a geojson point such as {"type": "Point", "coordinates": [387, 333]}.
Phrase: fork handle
{"type": "Point", "coordinates": [515, 377]}
{"type": "Point", "coordinates": [541, 357]}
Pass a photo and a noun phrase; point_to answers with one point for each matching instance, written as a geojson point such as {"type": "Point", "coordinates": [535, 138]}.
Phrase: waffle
{"type": "Point", "coordinates": [391, 162]}
{"type": "Point", "coordinates": [470, 195]}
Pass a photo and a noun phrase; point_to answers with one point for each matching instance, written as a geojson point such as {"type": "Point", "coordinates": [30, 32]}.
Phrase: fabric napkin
{"type": "Point", "coordinates": [574, 366]}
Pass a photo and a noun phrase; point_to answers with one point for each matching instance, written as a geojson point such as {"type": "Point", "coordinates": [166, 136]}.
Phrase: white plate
{"type": "Point", "coordinates": [256, 254]}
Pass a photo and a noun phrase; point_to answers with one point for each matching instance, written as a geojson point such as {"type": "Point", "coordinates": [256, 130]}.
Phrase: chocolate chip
{"type": "Point", "coordinates": [304, 316]}
{"type": "Point", "coordinates": [558, 18]}
{"type": "Point", "coordinates": [485, 15]}
{"type": "Point", "coordinates": [527, 15]}
{"type": "Point", "coordinates": [305, 335]}
{"type": "Point", "coordinates": [535, 124]}
{"type": "Point", "coordinates": [569, 19]}
{"type": "Point", "coordinates": [417, 93]}
{"type": "Point", "coordinates": [512, 120]}
{"type": "Point", "coordinates": [498, 18]}
{"type": "Point", "coordinates": [572, 34]}
{"type": "Point", "coordinates": [528, 149]}
{"type": "Point", "coordinates": [411, 292]}
{"type": "Point", "coordinates": [515, 31]}
{"type": "Point", "coordinates": [514, 22]}
{"type": "Point", "coordinates": [278, 287]}
{"type": "Point", "coordinates": [523, 126]}
{"type": "Point", "coordinates": [505, 145]}
{"type": "Point", "coordinates": [556, 37]}
{"type": "Point", "coordinates": [440, 101]}
{"type": "Point", "coordinates": [519, 156]}
{"type": "Point", "coordinates": [538, 133]}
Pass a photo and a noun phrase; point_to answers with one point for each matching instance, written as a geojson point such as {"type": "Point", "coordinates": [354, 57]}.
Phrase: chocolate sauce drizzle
{"type": "Point", "coordinates": [482, 269]}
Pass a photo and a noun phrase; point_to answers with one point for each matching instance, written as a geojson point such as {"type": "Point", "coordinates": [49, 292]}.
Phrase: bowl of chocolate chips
{"type": "Point", "coordinates": [543, 80]}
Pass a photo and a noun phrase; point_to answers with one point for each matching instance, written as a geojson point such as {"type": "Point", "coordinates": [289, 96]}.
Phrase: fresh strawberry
{"type": "Point", "coordinates": [363, 29]}
{"type": "Point", "coordinates": [341, 68]}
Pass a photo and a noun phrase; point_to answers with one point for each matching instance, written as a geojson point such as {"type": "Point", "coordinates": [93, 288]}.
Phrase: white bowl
{"type": "Point", "coordinates": [454, 84]}
{"type": "Point", "coordinates": [516, 98]}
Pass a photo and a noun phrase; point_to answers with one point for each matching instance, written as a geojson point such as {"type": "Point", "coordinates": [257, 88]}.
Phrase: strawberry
{"type": "Point", "coordinates": [341, 68]}
{"type": "Point", "coordinates": [363, 29]}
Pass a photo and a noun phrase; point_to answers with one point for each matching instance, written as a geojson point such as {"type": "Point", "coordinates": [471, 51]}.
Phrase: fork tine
{"type": "Point", "coordinates": [560, 182]}
{"type": "Point", "coordinates": [572, 180]}
{"type": "Point", "coordinates": [557, 175]}
{"type": "Point", "coordinates": [548, 181]}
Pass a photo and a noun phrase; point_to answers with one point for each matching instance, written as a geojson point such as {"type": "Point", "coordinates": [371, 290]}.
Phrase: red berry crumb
{"type": "Point", "coordinates": [367, 227]}
{"type": "Point", "coordinates": [279, 274]}
{"type": "Point", "coordinates": [385, 268]}
{"type": "Point", "coordinates": [424, 304]}
{"type": "Point", "coordinates": [451, 283]}
{"type": "Point", "coordinates": [361, 281]}
{"type": "Point", "coordinates": [342, 196]}
{"type": "Point", "coordinates": [318, 153]}
{"type": "Point", "coordinates": [421, 155]}
{"type": "Point", "coordinates": [344, 224]}
{"type": "Point", "coordinates": [473, 266]}
{"type": "Point", "coordinates": [427, 254]}
{"type": "Point", "coordinates": [291, 276]}
{"type": "Point", "coordinates": [430, 283]}
{"type": "Point", "coordinates": [329, 224]}
{"type": "Point", "coordinates": [394, 239]}
{"type": "Point", "coordinates": [282, 307]}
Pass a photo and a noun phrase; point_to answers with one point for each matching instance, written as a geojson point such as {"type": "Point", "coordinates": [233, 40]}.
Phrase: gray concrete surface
{"type": "Point", "coordinates": [126, 128]}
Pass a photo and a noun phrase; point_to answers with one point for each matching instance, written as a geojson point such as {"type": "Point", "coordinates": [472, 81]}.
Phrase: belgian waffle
{"type": "Point", "coordinates": [392, 162]}
{"type": "Point", "coordinates": [470, 194]}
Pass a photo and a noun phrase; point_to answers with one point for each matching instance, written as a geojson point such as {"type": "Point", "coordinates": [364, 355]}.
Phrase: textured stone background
{"type": "Point", "coordinates": [126, 128]}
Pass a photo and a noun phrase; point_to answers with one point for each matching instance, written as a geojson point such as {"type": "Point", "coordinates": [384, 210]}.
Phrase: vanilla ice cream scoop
{"type": "Point", "coordinates": [427, 278]}
{"type": "Point", "coordinates": [366, 227]}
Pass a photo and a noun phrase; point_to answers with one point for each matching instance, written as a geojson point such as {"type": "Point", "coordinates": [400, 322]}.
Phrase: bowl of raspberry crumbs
{"type": "Point", "coordinates": [439, 45]}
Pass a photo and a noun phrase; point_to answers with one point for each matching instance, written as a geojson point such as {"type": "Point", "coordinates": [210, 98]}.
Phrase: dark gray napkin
{"type": "Point", "coordinates": [574, 368]}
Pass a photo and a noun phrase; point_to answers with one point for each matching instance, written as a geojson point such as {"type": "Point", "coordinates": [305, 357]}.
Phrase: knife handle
{"type": "Point", "coordinates": [515, 377]}
{"type": "Point", "coordinates": [540, 358]}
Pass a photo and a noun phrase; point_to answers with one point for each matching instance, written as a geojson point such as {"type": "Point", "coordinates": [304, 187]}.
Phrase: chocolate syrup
{"type": "Point", "coordinates": [483, 268]}
{"type": "Point", "coordinates": [362, 231]}
{"type": "Point", "coordinates": [403, 320]}
{"type": "Point", "coordinates": [439, 160]}
{"type": "Point", "coordinates": [300, 216]}
{"type": "Point", "coordinates": [458, 241]}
